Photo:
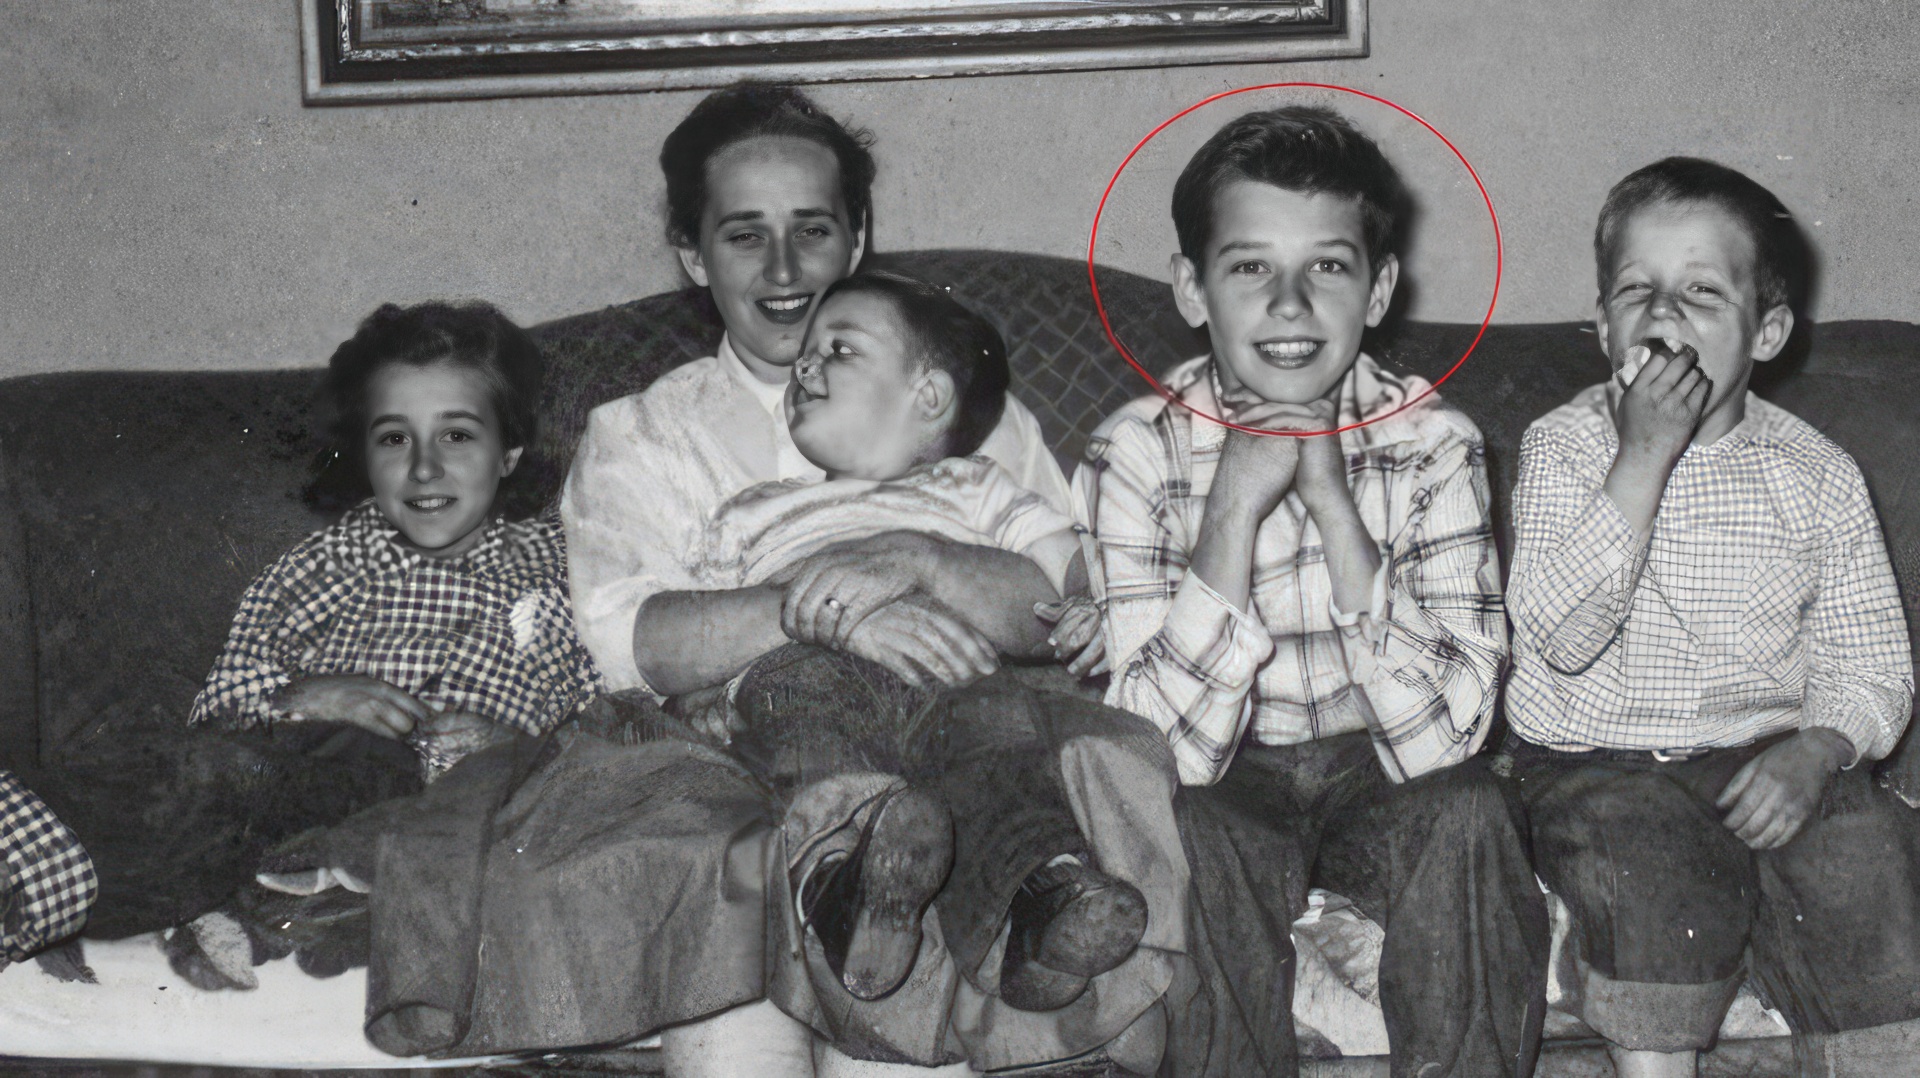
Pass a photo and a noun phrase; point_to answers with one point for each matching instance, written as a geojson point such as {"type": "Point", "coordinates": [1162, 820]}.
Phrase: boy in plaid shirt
{"type": "Point", "coordinates": [1314, 619]}
{"type": "Point", "coordinates": [1708, 640]}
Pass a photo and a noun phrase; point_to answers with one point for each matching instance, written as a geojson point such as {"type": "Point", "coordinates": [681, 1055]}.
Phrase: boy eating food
{"type": "Point", "coordinates": [1314, 619]}
{"type": "Point", "coordinates": [1708, 640]}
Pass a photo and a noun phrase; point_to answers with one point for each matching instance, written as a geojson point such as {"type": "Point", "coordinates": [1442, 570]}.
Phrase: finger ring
{"type": "Point", "coordinates": [835, 604]}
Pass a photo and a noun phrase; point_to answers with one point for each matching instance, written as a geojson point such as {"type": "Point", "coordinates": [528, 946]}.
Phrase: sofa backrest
{"type": "Point", "coordinates": [135, 508]}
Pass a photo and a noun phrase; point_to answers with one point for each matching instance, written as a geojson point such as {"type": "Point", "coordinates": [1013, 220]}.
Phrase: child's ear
{"type": "Point", "coordinates": [691, 262]}
{"type": "Point", "coordinates": [936, 398]}
{"type": "Point", "coordinates": [510, 460]}
{"type": "Point", "coordinates": [1600, 326]}
{"type": "Point", "coordinates": [1381, 296]}
{"type": "Point", "coordinates": [1188, 293]}
{"type": "Point", "coordinates": [1775, 327]}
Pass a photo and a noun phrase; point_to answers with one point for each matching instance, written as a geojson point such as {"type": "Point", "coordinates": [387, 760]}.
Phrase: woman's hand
{"type": "Point", "coordinates": [833, 591]}
{"type": "Point", "coordinates": [366, 702]}
{"type": "Point", "coordinates": [1078, 639]}
{"type": "Point", "coordinates": [924, 643]}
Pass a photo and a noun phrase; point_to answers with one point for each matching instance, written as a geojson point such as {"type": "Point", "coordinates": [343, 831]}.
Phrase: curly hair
{"type": "Point", "coordinates": [472, 336]}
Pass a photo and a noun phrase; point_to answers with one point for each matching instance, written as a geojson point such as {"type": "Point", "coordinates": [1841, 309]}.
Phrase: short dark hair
{"type": "Point", "coordinates": [1782, 262]}
{"type": "Point", "coordinates": [473, 336]}
{"type": "Point", "coordinates": [1301, 148]}
{"type": "Point", "coordinates": [945, 336]}
{"type": "Point", "coordinates": [747, 110]}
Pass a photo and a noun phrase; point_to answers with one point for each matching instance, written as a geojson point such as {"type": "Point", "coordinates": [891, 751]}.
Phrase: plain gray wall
{"type": "Point", "coordinates": [167, 202]}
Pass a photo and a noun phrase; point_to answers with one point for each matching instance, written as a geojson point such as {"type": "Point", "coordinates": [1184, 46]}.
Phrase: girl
{"type": "Point", "coordinates": [425, 613]}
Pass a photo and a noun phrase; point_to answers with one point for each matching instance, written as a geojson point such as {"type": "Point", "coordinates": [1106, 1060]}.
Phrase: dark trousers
{"type": "Point", "coordinates": [1440, 861]}
{"type": "Point", "coordinates": [990, 749]}
{"type": "Point", "coordinates": [176, 819]}
{"type": "Point", "coordinates": [1666, 901]}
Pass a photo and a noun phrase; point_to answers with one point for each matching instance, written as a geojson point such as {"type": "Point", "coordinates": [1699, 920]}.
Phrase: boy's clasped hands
{"type": "Point", "coordinates": [1257, 470]}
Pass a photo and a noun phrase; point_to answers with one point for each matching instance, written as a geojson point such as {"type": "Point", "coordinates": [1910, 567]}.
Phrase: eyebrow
{"type": "Point", "coordinates": [757, 215]}
{"type": "Point", "coordinates": [1251, 245]}
{"type": "Point", "coordinates": [458, 413]}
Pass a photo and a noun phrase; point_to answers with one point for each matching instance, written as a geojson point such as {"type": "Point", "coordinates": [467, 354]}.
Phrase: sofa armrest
{"type": "Point", "coordinates": [19, 680]}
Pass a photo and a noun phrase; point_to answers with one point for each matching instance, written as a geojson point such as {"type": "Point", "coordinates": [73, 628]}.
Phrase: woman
{"type": "Point", "coordinates": [769, 202]}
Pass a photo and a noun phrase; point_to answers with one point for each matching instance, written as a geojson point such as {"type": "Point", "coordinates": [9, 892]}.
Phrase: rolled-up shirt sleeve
{"type": "Point", "coordinates": [630, 526]}
{"type": "Point", "coordinates": [1184, 657]}
{"type": "Point", "coordinates": [1577, 561]}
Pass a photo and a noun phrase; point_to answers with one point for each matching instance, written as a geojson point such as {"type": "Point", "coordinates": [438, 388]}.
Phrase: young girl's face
{"type": "Point", "coordinates": [859, 406]}
{"type": "Point", "coordinates": [435, 454]}
{"type": "Point", "coordinates": [774, 235]}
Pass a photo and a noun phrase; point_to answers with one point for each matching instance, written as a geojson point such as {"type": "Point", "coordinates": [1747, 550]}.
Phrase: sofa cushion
{"type": "Point", "coordinates": [135, 507]}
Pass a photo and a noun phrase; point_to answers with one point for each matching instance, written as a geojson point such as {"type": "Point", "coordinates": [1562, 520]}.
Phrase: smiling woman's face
{"type": "Point", "coordinates": [774, 235]}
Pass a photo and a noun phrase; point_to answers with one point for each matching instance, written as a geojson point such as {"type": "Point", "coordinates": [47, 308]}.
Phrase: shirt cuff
{"type": "Point", "coordinates": [1226, 642]}
{"type": "Point", "coordinates": [1376, 609]}
{"type": "Point", "coordinates": [1852, 714]}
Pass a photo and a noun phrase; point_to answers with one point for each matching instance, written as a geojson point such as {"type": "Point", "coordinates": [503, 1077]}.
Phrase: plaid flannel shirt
{"type": "Point", "coordinates": [46, 878]}
{"type": "Point", "coordinates": [1760, 601]}
{"type": "Point", "coordinates": [1417, 669]}
{"type": "Point", "coordinates": [489, 632]}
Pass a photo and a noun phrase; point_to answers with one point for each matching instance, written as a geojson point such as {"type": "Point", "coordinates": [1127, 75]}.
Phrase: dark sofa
{"type": "Point", "coordinates": [135, 507]}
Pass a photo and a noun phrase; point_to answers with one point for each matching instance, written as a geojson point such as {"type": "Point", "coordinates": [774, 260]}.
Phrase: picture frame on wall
{"type": "Point", "coordinates": [363, 51]}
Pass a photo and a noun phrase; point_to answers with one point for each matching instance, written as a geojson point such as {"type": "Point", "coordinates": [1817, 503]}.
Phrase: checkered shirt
{"type": "Point", "coordinates": [1417, 669]}
{"type": "Point", "coordinates": [48, 884]}
{"type": "Point", "coordinates": [489, 632]}
{"type": "Point", "coordinates": [1761, 601]}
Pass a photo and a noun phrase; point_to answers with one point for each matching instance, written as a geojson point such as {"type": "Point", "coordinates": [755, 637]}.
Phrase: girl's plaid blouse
{"type": "Point", "coordinates": [489, 632]}
{"type": "Point", "coordinates": [47, 884]}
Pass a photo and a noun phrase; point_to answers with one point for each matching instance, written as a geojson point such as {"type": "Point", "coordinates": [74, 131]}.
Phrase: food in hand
{"type": "Point", "coordinates": [1639, 354]}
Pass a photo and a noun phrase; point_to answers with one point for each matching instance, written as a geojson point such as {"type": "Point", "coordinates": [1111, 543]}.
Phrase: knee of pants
{"type": "Point", "coordinates": [1658, 889]}
{"type": "Point", "coordinates": [1470, 801]}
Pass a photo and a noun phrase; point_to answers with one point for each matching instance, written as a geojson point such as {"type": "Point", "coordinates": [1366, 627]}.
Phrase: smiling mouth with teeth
{"type": "Point", "coordinates": [1289, 354]}
{"type": "Point", "coordinates": [786, 310]}
{"type": "Point", "coordinates": [428, 505]}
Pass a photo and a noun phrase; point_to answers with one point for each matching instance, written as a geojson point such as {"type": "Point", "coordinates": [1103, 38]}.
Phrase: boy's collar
{"type": "Point", "coordinates": [1362, 394]}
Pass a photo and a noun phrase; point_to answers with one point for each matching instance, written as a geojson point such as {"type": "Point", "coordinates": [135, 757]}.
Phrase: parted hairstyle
{"type": "Point", "coordinates": [1301, 148]}
{"type": "Point", "coordinates": [474, 336]}
{"type": "Point", "coordinates": [1782, 262]}
{"type": "Point", "coordinates": [747, 110]}
{"type": "Point", "coordinates": [945, 336]}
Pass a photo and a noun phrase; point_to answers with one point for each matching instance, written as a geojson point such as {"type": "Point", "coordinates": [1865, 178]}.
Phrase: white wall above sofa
{"type": "Point", "coordinates": [167, 202]}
